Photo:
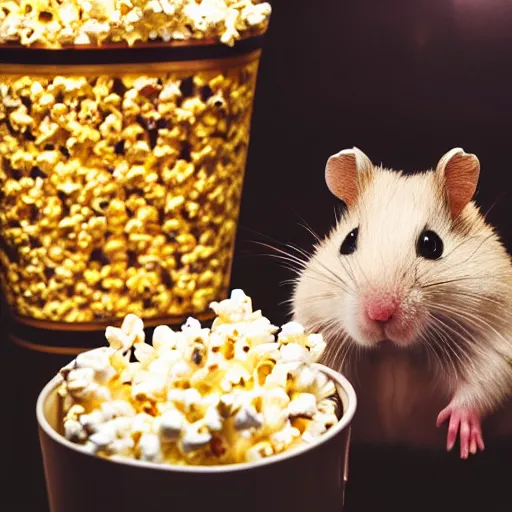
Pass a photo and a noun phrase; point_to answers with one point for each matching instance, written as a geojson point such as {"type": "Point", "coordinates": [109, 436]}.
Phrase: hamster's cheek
{"type": "Point", "coordinates": [410, 323]}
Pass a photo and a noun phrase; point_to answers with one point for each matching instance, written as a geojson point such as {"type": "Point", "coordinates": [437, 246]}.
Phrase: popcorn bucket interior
{"type": "Point", "coordinates": [121, 176]}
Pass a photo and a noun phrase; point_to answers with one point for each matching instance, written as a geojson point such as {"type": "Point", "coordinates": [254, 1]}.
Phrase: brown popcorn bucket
{"type": "Point", "coordinates": [308, 478]}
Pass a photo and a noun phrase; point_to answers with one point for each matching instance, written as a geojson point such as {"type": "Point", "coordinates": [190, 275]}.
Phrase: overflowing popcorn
{"type": "Point", "coordinates": [238, 392]}
{"type": "Point", "coordinates": [120, 194]}
{"type": "Point", "coordinates": [58, 24]}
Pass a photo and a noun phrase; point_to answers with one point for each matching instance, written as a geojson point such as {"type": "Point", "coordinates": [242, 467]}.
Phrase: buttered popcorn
{"type": "Point", "coordinates": [56, 24]}
{"type": "Point", "coordinates": [238, 392]}
{"type": "Point", "coordinates": [121, 194]}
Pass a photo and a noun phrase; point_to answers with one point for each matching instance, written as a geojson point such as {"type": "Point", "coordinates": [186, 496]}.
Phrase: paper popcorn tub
{"type": "Point", "coordinates": [306, 478]}
{"type": "Point", "coordinates": [124, 129]}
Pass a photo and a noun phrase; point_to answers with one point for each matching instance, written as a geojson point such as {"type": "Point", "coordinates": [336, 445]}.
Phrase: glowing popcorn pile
{"type": "Point", "coordinates": [120, 184]}
{"type": "Point", "coordinates": [230, 394]}
{"type": "Point", "coordinates": [121, 195]}
{"type": "Point", "coordinates": [53, 24]}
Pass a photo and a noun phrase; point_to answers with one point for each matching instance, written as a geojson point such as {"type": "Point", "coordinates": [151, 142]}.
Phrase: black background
{"type": "Point", "coordinates": [405, 81]}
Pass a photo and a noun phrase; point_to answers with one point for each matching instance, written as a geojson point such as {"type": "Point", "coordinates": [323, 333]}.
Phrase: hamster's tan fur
{"type": "Point", "coordinates": [452, 342]}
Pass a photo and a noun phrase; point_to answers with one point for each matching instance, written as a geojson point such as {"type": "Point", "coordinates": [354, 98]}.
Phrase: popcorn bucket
{"type": "Point", "coordinates": [121, 176]}
{"type": "Point", "coordinates": [308, 478]}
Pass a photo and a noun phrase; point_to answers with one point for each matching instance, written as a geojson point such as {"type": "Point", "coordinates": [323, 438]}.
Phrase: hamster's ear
{"type": "Point", "coordinates": [342, 173]}
{"type": "Point", "coordinates": [460, 172]}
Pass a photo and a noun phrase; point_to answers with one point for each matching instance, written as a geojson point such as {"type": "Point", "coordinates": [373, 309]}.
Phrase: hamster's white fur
{"type": "Point", "coordinates": [451, 338]}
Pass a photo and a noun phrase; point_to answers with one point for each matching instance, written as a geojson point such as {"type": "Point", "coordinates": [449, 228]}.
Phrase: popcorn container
{"type": "Point", "coordinates": [121, 176]}
{"type": "Point", "coordinates": [307, 478]}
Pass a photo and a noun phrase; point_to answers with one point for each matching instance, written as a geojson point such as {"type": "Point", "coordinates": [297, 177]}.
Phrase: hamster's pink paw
{"type": "Point", "coordinates": [466, 423]}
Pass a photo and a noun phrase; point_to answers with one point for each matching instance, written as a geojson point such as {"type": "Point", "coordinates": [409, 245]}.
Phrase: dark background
{"type": "Point", "coordinates": [405, 81]}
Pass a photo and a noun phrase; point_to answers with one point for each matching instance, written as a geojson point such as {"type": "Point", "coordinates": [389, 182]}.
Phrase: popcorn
{"type": "Point", "coordinates": [213, 420]}
{"type": "Point", "coordinates": [74, 431]}
{"type": "Point", "coordinates": [259, 451]}
{"type": "Point", "coordinates": [81, 381]}
{"type": "Point", "coordinates": [304, 404]}
{"type": "Point", "coordinates": [171, 406]}
{"type": "Point", "coordinates": [56, 25]}
{"type": "Point", "coordinates": [97, 361]}
{"type": "Point", "coordinates": [128, 187]}
{"type": "Point", "coordinates": [171, 425]}
{"type": "Point", "coordinates": [193, 440]}
{"type": "Point", "coordinates": [248, 418]}
{"type": "Point", "coordinates": [149, 446]}
{"type": "Point", "coordinates": [91, 422]}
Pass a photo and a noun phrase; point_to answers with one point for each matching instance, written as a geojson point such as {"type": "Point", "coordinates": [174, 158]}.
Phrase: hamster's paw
{"type": "Point", "coordinates": [467, 424]}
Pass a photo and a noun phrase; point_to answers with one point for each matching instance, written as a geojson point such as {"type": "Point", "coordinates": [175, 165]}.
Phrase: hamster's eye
{"type": "Point", "coordinates": [430, 245]}
{"type": "Point", "coordinates": [349, 245]}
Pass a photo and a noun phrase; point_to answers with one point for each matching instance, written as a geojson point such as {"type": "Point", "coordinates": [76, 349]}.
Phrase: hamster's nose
{"type": "Point", "coordinates": [381, 308]}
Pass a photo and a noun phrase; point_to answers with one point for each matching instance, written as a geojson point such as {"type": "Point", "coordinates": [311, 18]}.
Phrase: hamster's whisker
{"type": "Point", "coordinates": [330, 330]}
{"type": "Point", "coordinates": [305, 224]}
{"type": "Point", "coordinates": [342, 355]}
{"type": "Point", "coordinates": [311, 298]}
{"type": "Point", "coordinates": [337, 214]}
{"type": "Point", "coordinates": [480, 323]}
{"type": "Point", "coordinates": [349, 271]}
{"type": "Point", "coordinates": [287, 282]}
{"type": "Point", "coordinates": [474, 305]}
{"type": "Point", "coordinates": [329, 355]}
{"type": "Point", "coordinates": [282, 252]}
{"type": "Point", "coordinates": [318, 276]}
{"type": "Point", "coordinates": [310, 230]}
{"type": "Point", "coordinates": [441, 342]}
{"type": "Point", "coordinates": [358, 354]}
{"type": "Point", "coordinates": [430, 347]}
{"type": "Point", "coordinates": [472, 296]}
{"type": "Point", "coordinates": [270, 239]}
{"type": "Point", "coordinates": [327, 277]}
{"type": "Point", "coordinates": [452, 340]}
{"type": "Point", "coordinates": [489, 210]}
{"type": "Point", "coordinates": [362, 271]}
{"type": "Point", "coordinates": [345, 362]}
{"type": "Point", "coordinates": [321, 325]}
{"type": "Point", "coordinates": [445, 309]}
{"type": "Point", "coordinates": [298, 265]}
{"type": "Point", "coordinates": [462, 279]}
{"type": "Point", "coordinates": [299, 250]}
{"type": "Point", "coordinates": [295, 270]}
{"type": "Point", "coordinates": [301, 264]}
{"type": "Point", "coordinates": [289, 263]}
{"type": "Point", "coordinates": [338, 358]}
{"type": "Point", "coordinates": [437, 342]}
{"type": "Point", "coordinates": [327, 272]}
{"type": "Point", "coordinates": [475, 346]}
{"type": "Point", "coordinates": [338, 344]}
{"type": "Point", "coordinates": [331, 349]}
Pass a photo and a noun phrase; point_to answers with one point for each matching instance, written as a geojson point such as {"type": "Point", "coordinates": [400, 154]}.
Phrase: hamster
{"type": "Point", "coordinates": [412, 291]}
